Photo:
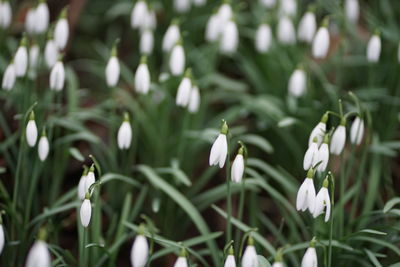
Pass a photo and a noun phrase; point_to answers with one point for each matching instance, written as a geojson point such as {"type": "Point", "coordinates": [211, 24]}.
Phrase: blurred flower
{"type": "Point", "coordinates": [33, 56]}
{"type": "Point", "coordinates": [57, 76]}
{"type": "Point", "coordinates": [184, 88]}
{"type": "Point", "coordinates": [177, 60]}
{"type": "Point", "coordinates": [237, 169]}
{"type": "Point", "coordinates": [31, 130]}
{"type": "Point", "coordinates": [139, 251]}
{"type": "Point", "coordinates": [374, 48]}
{"type": "Point", "coordinates": [42, 17]}
{"type": "Point", "coordinates": [286, 31]}
{"type": "Point", "coordinates": [125, 133]}
{"type": "Point", "coordinates": [323, 155]}
{"type": "Point", "coordinates": [357, 131]}
{"type": "Point", "coordinates": [319, 130]}
{"type": "Point", "coordinates": [338, 138]}
{"type": "Point", "coordinates": [310, 158]}
{"type": "Point", "coordinates": [310, 258]}
{"type": "Point", "coordinates": [30, 21]}
{"type": "Point", "coordinates": [307, 27]}
{"type": "Point", "coordinates": [181, 261]}
{"type": "Point", "coordinates": [150, 21]}
{"type": "Point", "coordinates": [278, 264]}
{"type": "Point", "coordinates": [142, 77]}
{"type": "Point", "coordinates": [21, 59]}
{"type": "Point", "coordinates": [263, 38]}
{"type": "Point", "coordinates": [146, 42]}
{"type": "Point", "coordinates": [61, 31]}
{"type": "Point", "coordinates": [82, 184]}
{"type": "Point", "coordinates": [297, 83]}
{"type": "Point", "coordinates": [229, 38]}
{"type": "Point", "coordinates": [5, 14]}
{"type": "Point", "coordinates": [43, 147]}
{"type": "Point", "coordinates": [323, 201]}
{"type": "Point", "coordinates": [230, 259]}
{"type": "Point", "coordinates": [171, 37]}
{"type": "Point", "coordinates": [288, 8]}
{"type": "Point", "coordinates": [219, 149]}
{"type": "Point", "coordinates": [86, 210]}
{"type": "Point", "coordinates": [306, 194]}
{"type": "Point", "coordinates": [225, 13]}
{"type": "Point", "coordinates": [352, 10]}
{"type": "Point", "coordinates": [320, 45]}
{"type": "Point", "coordinates": [268, 3]}
{"type": "Point", "coordinates": [182, 6]}
{"type": "Point", "coordinates": [199, 2]}
{"type": "Point", "coordinates": [39, 255]}
{"type": "Point", "coordinates": [50, 53]}
{"type": "Point", "coordinates": [9, 77]}
{"type": "Point", "coordinates": [112, 71]}
{"type": "Point", "coordinates": [139, 14]}
{"type": "Point", "coordinates": [249, 258]}
{"type": "Point", "coordinates": [90, 179]}
{"type": "Point", "coordinates": [194, 100]}
{"type": "Point", "coordinates": [213, 28]}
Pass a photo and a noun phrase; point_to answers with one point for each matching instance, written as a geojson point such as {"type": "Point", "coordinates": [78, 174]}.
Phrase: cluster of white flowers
{"type": "Point", "coordinates": [143, 18]}
{"type": "Point", "coordinates": [188, 94]}
{"type": "Point", "coordinates": [86, 181]}
{"type": "Point", "coordinates": [31, 133]}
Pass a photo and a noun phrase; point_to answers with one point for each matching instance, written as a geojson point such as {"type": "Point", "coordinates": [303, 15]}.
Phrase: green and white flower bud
{"type": "Point", "coordinates": [181, 261]}
{"type": "Point", "coordinates": [142, 77]}
{"type": "Point", "coordinates": [237, 169]}
{"type": "Point", "coordinates": [230, 259]}
{"type": "Point", "coordinates": [31, 130]}
{"type": "Point", "coordinates": [177, 60]}
{"type": "Point", "coordinates": [61, 31]}
{"type": "Point", "coordinates": [9, 77]}
{"type": "Point", "coordinates": [319, 130]}
{"type": "Point", "coordinates": [320, 45]}
{"type": "Point", "coordinates": [42, 16]}
{"type": "Point", "coordinates": [125, 133]}
{"type": "Point", "coordinates": [140, 250]}
{"type": "Point", "coordinates": [57, 76]}
{"type": "Point", "coordinates": [310, 258]}
{"type": "Point", "coordinates": [139, 13]}
{"type": "Point", "coordinates": [249, 258]}
{"type": "Point", "coordinates": [310, 158]}
{"type": "Point", "coordinates": [219, 149]}
{"type": "Point", "coordinates": [82, 184]}
{"type": "Point", "coordinates": [39, 255]}
{"type": "Point", "coordinates": [21, 58]}
{"type": "Point", "coordinates": [374, 48]}
{"type": "Point", "coordinates": [86, 210]}
{"type": "Point", "coordinates": [113, 68]}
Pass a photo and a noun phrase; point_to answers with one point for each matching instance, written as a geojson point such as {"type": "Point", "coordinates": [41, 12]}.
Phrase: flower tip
{"type": "Point", "coordinates": [310, 173]}
{"type": "Point", "coordinates": [224, 127]}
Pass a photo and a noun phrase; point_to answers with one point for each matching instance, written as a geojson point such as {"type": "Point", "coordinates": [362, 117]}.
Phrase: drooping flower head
{"type": "Point", "coordinates": [31, 130]}
{"type": "Point", "coordinates": [310, 258]}
{"type": "Point", "coordinates": [39, 255]}
{"type": "Point", "coordinates": [184, 90]}
{"type": "Point", "coordinates": [61, 30]}
{"type": "Point", "coordinates": [219, 149]}
{"type": "Point", "coordinates": [43, 146]}
{"type": "Point", "coordinates": [140, 249]}
{"type": "Point", "coordinates": [338, 139]}
{"type": "Point", "coordinates": [323, 201]}
{"type": "Point", "coordinates": [125, 133]}
{"type": "Point", "coordinates": [86, 210]}
{"type": "Point", "coordinates": [142, 77]}
{"type": "Point", "coordinates": [238, 165]}
{"type": "Point", "coordinates": [306, 194]}
{"type": "Point", "coordinates": [319, 130]}
{"type": "Point", "coordinates": [230, 259]}
{"type": "Point", "coordinates": [249, 258]}
{"type": "Point", "coordinates": [320, 45]}
{"type": "Point", "coordinates": [113, 67]}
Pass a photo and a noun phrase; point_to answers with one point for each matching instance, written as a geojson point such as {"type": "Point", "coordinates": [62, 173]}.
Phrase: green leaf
{"type": "Point", "coordinates": [258, 141]}
{"type": "Point", "coordinates": [390, 204]}
{"type": "Point", "coordinates": [372, 258]}
{"type": "Point", "coordinates": [263, 262]}
{"type": "Point", "coordinates": [76, 154]}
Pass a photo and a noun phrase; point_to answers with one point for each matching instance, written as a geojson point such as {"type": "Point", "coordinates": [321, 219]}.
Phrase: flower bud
{"type": "Point", "coordinates": [320, 45]}
{"type": "Point", "coordinates": [229, 38]}
{"type": "Point", "coordinates": [171, 37]}
{"type": "Point", "coordinates": [86, 211]}
{"type": "Point", "coordinates": [182, 6]}
{"type": "Point", "coordinates": [43, 147]}
{"type": "Point", "coordinates": [286, 31]}
{"type": "Point", "coordinates": [307, 27]}
{"type": "Point", "coordinates": [146, 42]}
{"type": "Point", "coordinates": [374, 49]}
{"type": "Point", "coordinates": [357, 131]}
{"type": "Point", "coordinates": [177, 60]}
{"type": "Point", "coordinates": [61, 33]}
{"type": "Point", "coordinates": [125, 134]}
{"type": "Point", "coordinates": [194, 100]}
{"type": "Point", "coordinates": [50, 53]}
{"type": "Point", "coordinates": [263, 38]}
{"type": "Point", "coordinates": [38, 255]}
{"type": "Point", "coordinates": [31, 131]}
{"type": "Point", "coordinates": [21, 59]}
{"type": "Point", "coordinates": [9, 77]}
{"type": "Point", "coordinates": [112, 71]}
{"type": "Point", "coordinates": [183, 93]}
{"type": "Point", "coordinates": [42, 17]}
{"type": "Point", "coordinates": [139, 251]}
{"type": "Point", "coordinates": [297, 83]}
{"type": "Point", "coordinates": [142, 78]}
{"type": "Point", "coordinates": [352, 10]}
{"type": "Point", "coordinates": [57, 77]}
{"type": "Point", "coordinates": [5, 14]}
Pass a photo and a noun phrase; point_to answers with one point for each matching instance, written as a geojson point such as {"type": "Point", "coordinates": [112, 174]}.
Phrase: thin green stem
{"type": "Point", "coordinates": [228, 199]}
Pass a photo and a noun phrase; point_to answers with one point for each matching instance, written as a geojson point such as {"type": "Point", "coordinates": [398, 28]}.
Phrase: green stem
{"type": "Point", "coordinates": [228, 199]}
{"type": "Point", "coordinates": [240, 211]}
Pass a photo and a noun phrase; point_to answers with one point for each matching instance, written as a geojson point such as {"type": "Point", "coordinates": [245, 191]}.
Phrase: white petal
{"type": "Point", "coordinates": [223, 151]}
{"type": "Point", "coordinates": [194, 101]}
{"type": "Point", "coordinates": [230, 261]}
{"type": "Point", "coordinates": [319, 132]}
{"type": "Point", "coordinates": [57, 77]}
{"type": "Point", "coordinates": [182, 6]}
{"type": "Point", "coordinates": [374, 49]}
{"type": "Point", "coordinates": [9, 77]}
{"type": "Point", "coordinates": [43, 148]}
{"type": "Point", "coordinates": [139, 251]}
{"type": "Point", "coordinates": [124, 135]}
{"type": "Point", "coordinates": [263, 38]}
{"type": "Point", "coordinates": [310, 156]}
{"type": "Point", "coordinates": [86, 212]}
{"type": "Point", "coordinates": [181, 262]}
{"type": "Point", "coordinates": [142, 79]}
{"type": "Point", "coordinates": [297, 83]}
{"type": "Point", "coordinates": [39, 255]}
{"type": "Point", "coordinates": [352, 10]}
{"type": "Point", "coordinates": [357, 131]}
{"type": "Point", "coordinates": [31, 133]}
{"type": "Point", "coordinates": [307, 27]}
{"type": "Point", "coordinates": [42, 18]}
{"type": "Point", "coordinates": [183, 93]}
{"type": "Point", "coordinates": [139, 13]}
{"type": "Point", "coordinates": [213, 28]}
{"type": "Point", "coordinates": [51, 53]}
{"type": "Point", "coordinates": [229, 38]}
{"type": "Point", "coordinates": [249, 258]}
{"type": "Point", "coordinates": [90, 179]}
{"type": "Point", "coordinates": [310, 195]}
{"type": "Point", "coordinates": [286, 31]}
{"type": "Point", "coordinates": [146, 42]}
{"type": "Point", "coordinates": [171, 37]}
{"type": "Point", "coordinates": [177, 60]}
{"type": "Point", "coordinates": [112, 71]}
{"type": "Point", "coordinates": [338, 140]}
{"type": "Point", "coordinates": [310, 258]}
{"type": "Point", "coordinates": [21, 61]}
{"type": "Point", "coordinates": [301, 199]}
{"type": "Point", "coordinates": [1, 238]}
{"type": "Point", "coordinates": [320, 46]}
{"type": "Point", "coordinates": [237, 169]}
{"type": "Point", "coordinates": [82, 187]}
{"type": "Point", "coordinates": [5, 15]}
{"type": "Point", "coordinates": [61, 33]}
{"type": "Point", "coordinates": [216, 150]}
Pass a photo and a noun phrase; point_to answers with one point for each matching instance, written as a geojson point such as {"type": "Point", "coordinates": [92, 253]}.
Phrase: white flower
{"type": "Point", "coordinates": [50, 53]}
{"type": "Point", "coordinates": [182, 6]}
{"type": "Point", "coordinates": [199, 2]}
{"type": "Point", "coordinates": [181, 262]}
{"type": "Point", "coordinates": [288, 7]}
{"type": "Point", "coordinates": [33, 56]}
{"type": "Point", "coordinates": [352, 10]}
{"type": "Point", "coordinates": [31, 131]}
{"type": "Point", "coordinates": [139, 14]}
{"type": "Point", "coordinates": [230, 261]}
{"type": "Point", "coordinates": [249, 258]}
{"type": "Point", "coordinates": [322, 201]}
{"type": "Point", "coordinates": [307, 27]}
{"type": "Point", "coordinates": [5, 14]}
{"type": "Point", "coordinates": [177, 60]}
{"type": "Point", "coordinates": [237, 169]}
{"type": "Point", "coordinates": [183, 93]}
{"type": "Point", "coordinates": [225, 12]}
{"type": "Point", "coordinates": [125, 134]}
{"type": "Point", "coordinates": [310, 158]}
{"type": "Point", "coordinates": [146, 42]}
{"type": "Point", "coordinates": [82, 186]}
{"type": "Point", "coordinates": [374, 48]}
{"type": "Point", "coordinates": [319, 130]}
{"type": "Point", "coordinates": [219, 149]}
{"type": "Point", "coordinates": [1, 237]}
{"type": "Point", "coordinates": [306, 194]}
{"type": "Point", "coordinates": [263, 38]}
{"type": "Point", "coordinates": [139, 251]}
{"type": "Point", "coordinates": [30, 21]}
{"type": "Point", "coordinates": [278, 264]}
{"type": "Point", "coordinates": [61, 33]}
{"type": "Point", "coordinates": [194, 100]}
{"type": "Point", "coordinates": [171, 37]}
{"type": "Point", "coordinates": [43, 148]}
{"type": "Point", "coordinates": [229, 38]}
{"type": "Point", "coordinates": [286, 31]}
{"type": "Point", "coordinates": [320, 45]}
{"type": "Point", "coordinates": [357, 131]}
{"type": "Point", "coordinates": [9, 77]}
{"type": "Point", "coordinates": [268, 3]}
{"type": "Point", "coordinates": [142, 78]}
{"type": "Point", "coordinates": [39, 255]}
{"type": "Point", "coordinates": [213, 28]}
{"type": "Point", "coordinates": [57, 77]}
{"type": "Point", "coordinates": [323, 156]}
{"type": "Point", "coordinates": [90, 179]}
{"type": "Point", "coordinates": [297, 83]}
{"type": "Point", "coordinates": [42, 17]}
{"type": "Point", "coordinates": [150, 21]}
{"type": "Point", "coordinates": [21, 60]}
{"type": "Point", "coordinates": [112, 71]}
{"type": "Point", "coordinates": [338, 139]}
{"type": "Point", "coordinates": [86, 211]}
{"type": "Point", "coordinates": [310, 258]}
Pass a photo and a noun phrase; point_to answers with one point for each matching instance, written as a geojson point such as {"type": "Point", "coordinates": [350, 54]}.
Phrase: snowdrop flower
{"type": "Point", "coordinates": [146, 42]}
{"type": "Point", "coordinates": [39, 255]}
{"type": "Point", "coordinates": [42, 17]}
{"type": "Point", "coordinates": [139, 14]}
{"type": "Point", "coordinates": [352, 10]}
{"type": "Point", "coordinates": [219, 149]}
{"type": "Point", "coordinates": [199, 2]}
{"type": "Point", "coordinates": [288, 7]}
{"type": "Point", "coordinates": [30, 21]}
{"type": "Point", "coordinates": [31, 130]}
{"type": "Point", "coordinates": [21, 59]}
{"type": "Point", "coordinates": [357, 131]}
{"type": "Point", "coordinates": [9, 77]}
{"type": "Point", "coordinates": [319, 130]}
{"type": "Point", "coordinates": [374, 48]}
{"type": "Point", "coordinates": [323, 155]}
{"type": "Point", "coordinates": [181, 261]}
{"type": "Point", "coordinates": [225, 12]}
{"type": "Point", "coordinates": [177, 60]}
{"type": "Point", "coordinates": [1, 235]}
{"type": "Point", "coordinates": [57, 77]}
{"type": "Point", "coordinates": [263, 38]}
{"type": "Point", "coordinates": [268, 3]}
{"type": "Point", "coordinates": [230, 259]}
{"type": "Point", "coordinates": [33, 56]}
{"type": "Point", "coordinates": [182, 6]}
{"type": "Point", "coordinates": [310, 158]}
{"type": "Point", "coordinates": [150, 21]}
{"type": "Point", "coordinates": [229, 38]}
{"type": "Point", "coordinates": [82, 184]}
{"type": "Point", "coordinates": [278, 259]}
{"type": "Point", "coordinates": [286, 31]}
{"type": "Point", "coordinates": [184, 90]}
{"type": "Point", "coordinates": [171, 37]}
{"type": "Point", "coordinates": [43, 147]}
{"type": "Point", "coordinates": [297, 83]}
{"type": "Point", "coordinates": [194, 100]}
{"type": "Point", "coordinates": [50, 53]}
{"type": "Point", "coordinates": [307, 27]}
{"type": "Point", "coordinates": [125, 133]}
{"type": "Point", "coordinates": [310, 258]}
{"type": "Point", "coordinates": [113, 68]}
{"type": "Point", "coordinates": [338, 138]}
{"type": "Point", "coordinates": [61, 31]}
{"type": "Point", "coordinates": [322, 201]}
{"type": "Point", "coordinates": [142, 77]}
{"type": "Point", "coordinates": [213, 28]}
{"type": "Point", "coordinates": [249, 258]}
{"type": "Point", "coordinates": [140, 250]}
{"type": "Point", "coordinates": [90, 179]}
{"type": "Point", "coordinates": [237, 169]}
{"type": "Point", "coordinates": [306, 194]}
{"type": "Point", "coordinates": [86, 210]}
{"type": "Point", "coordinates": [5, 14]}
{"type": "Point", "coordinates": [320, 45]}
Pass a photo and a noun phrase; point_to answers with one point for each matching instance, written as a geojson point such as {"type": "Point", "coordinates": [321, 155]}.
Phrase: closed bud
{"type": "Point", "coordinates": [183, 93]}
{"type": "Point", "coordinates": [21, 60]}
{"type": "Point", "coordinates": [31, 131]}
{"type": "Point", "coordinates": [177, 60]}
{"type": "Point", "coordinates": [229, 38]}
{"type": "Point", "coordinates": [139, 13]}
{"type": "Point", "coordinates": [9, 77]}
{"type": "Point", "coordinates": [268, 3]}
{"type": "Point", "coordinates": [249, 258]}
{"type": "Point", "coordinates": [307, 27]}
{"type": "Point", "coordinates": [90, 179]}
{"type": "Point", "coordinates": [357, 131]}
{"type": "Point", "coordinates": [50, 53]}
{"type": "Point", "coordinates": [171, 37]}
{"type": "Point", "coordinates": [297, 83]}
{"type": "Point", "coordinates": [194, 100]}
{"type": "Point", "coordinates": [182, 6]}
{"type": "Point", "coordinates": [320, 45]}
{"type": "Point", "coordinates": [112, 71]}
{"type": "Point", "coordinates": [352, 10]}
{"type": "Point", "coordinates": [288, 8]}
{"type": "Point", "coordinates": [219, 149]}
{"type": "Point", "coordinates": [43, 147]}
{"type": "Point", "coordinates": [61, 33]}
{"type": "Point", "coordinates": [142, 78]}
{"type": "Point", "coordinates": [5, 14]}
{"type": "Point", "coordinates": [374, 49]}
{"type": "Point", "coordinates": [57, 77]}
{"type": "Point", "coordinates": [42, 17]}
{"type": "Point", "coordinates": [139, 251]}
{"type": "Point", "coordinates": [146, 42]}
{"type": "Point", "coordinates": [263, 38]}
{"type": "Point", "coordinates": [125, 134]}
{"type": "Point", "coordinates": [310, 258]}
{"type": "Point", "coordinates": [286, 31]}
{"type": "Point", "coordinates": [86, 211]}
{"type": "Point", "coordinates": [338, 140]}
